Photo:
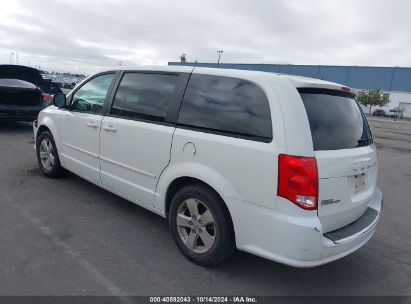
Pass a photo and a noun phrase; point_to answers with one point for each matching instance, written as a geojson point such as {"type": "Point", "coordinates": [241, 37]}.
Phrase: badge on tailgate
{"type": "Point", "coordinates": [363, 167]}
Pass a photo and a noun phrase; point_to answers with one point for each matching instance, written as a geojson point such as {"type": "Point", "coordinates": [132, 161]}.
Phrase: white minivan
{"type": "Point", "coordinates": [280, 166]}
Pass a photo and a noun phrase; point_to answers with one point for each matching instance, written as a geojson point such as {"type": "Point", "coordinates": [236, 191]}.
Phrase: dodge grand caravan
{"type": "Point", "coordinates": [280, 166]}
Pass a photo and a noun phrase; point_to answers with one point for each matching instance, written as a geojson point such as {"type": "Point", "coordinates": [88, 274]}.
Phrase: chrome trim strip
{"type": "Point", "coordinates": [128, 167]}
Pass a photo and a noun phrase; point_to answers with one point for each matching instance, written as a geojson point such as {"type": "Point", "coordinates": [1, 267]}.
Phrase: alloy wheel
{"type": "Point", "coordinates": [196, 225]}
{"type": "Point", "coordinates": [47, 154]}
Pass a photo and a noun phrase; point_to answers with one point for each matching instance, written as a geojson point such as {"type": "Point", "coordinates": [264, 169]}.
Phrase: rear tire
{"type": "Point", "coordinates": [47, 156]}
{"type": "Point", "coordinates": [201, 225]}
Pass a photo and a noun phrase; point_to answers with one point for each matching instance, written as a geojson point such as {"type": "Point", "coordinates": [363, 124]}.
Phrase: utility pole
{"type": "Point", "coordinates": [219, 56]}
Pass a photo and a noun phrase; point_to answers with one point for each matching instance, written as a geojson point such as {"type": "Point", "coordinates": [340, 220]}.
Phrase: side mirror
{"type": "Point", "coordinates": [59, 100]}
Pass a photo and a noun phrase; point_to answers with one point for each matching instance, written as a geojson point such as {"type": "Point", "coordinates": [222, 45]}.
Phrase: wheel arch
{"type": "Point", "coordinates": [41, 129]}
{"type": "Point", "coordinates": [179, 183]}
{"type": "Point", "coordinates": [189, 171]}
{"type": "Point", "coordinates": [47, 124]}
{"type": "Point", "coordinates": [182, 181]}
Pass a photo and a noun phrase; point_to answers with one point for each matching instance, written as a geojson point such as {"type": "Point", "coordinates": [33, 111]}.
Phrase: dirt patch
{"type": "Point", "coordinates": [33, 171]}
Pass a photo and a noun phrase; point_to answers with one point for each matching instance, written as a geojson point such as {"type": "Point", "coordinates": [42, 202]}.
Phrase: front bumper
{"type": "Point", "coordinates": [294, 240]}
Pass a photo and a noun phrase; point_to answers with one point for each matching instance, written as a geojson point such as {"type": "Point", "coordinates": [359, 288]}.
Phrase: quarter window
{"type": "Point", "coordinates": [226, 105]}
{"type": "Point", "coordinates": [144, 96]}
{"type": "Point", "coordinates": [92, 95]}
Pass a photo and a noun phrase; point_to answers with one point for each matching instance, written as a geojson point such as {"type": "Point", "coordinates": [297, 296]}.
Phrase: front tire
{"type": "Point", "coordinates": [201, 225]}
{"type": "Point", "coordinates": [47, 156]}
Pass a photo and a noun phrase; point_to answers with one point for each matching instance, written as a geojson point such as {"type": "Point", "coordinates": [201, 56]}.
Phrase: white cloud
{"type": "Point", "coordinates": [77, 34]}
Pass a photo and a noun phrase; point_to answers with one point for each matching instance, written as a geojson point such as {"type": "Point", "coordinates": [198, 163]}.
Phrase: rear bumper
{"type": "Point", "coordinates": [295, 240]}
{"type": "Point", "coordinates": [355, 229]}
{"type": "Point", "coordinates": [17, 113]}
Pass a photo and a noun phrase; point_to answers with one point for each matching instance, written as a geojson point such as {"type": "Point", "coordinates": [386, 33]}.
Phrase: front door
{"type": "Point", "coordinates": [80, 127]}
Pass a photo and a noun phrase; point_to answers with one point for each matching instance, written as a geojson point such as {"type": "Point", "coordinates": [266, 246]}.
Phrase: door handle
{"type": "Point", "coordinates": [109, 129]}
{"type": "Point", "coordinates": [93, 125]}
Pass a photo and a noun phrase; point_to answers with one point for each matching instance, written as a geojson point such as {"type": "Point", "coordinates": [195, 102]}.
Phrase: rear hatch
{"type": "Point", "coordinates": [345, 153]}
{"type": "Point", "coordinates": [28, 74]}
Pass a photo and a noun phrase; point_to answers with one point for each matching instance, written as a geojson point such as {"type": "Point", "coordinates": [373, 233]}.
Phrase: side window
{"type": "Point", "coordinates": [226, 105]}
{"type": "Point", "coordinates": [91, 96]}
{"type": "Point", "coordinates": [144, 96]}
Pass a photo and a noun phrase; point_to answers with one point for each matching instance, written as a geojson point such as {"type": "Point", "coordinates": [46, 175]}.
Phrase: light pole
{"type": "Point", "coordinates": [219, 55]}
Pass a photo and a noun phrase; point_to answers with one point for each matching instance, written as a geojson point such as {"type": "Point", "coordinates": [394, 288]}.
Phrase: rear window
{"type": "Point", "coordinates": [336, 120]}
{"type": "Point", "coordinates": [227, 106]}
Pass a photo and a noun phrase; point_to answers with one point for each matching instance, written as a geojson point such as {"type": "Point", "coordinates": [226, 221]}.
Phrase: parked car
{"type": "Point", "coordinates": [274, 165]}
{"type": "Point", "coordinates": [59, 83]}
{"type": "Point", "coordinates": [23, 93]}
{"type": "Point", "coordinates": [19, 100]}
{"type": "Point", "coordinates": [68, 84]}
{"type": "Point", "coordinates": [396, 114]}
{"type": "Point", "coordinates": [379, 112]}
{"type": "Point", "coordinates": [50, 87]}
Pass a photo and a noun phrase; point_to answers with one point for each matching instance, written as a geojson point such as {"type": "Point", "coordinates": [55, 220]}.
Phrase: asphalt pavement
{"type": "Point", "coordinates": [69, 237]}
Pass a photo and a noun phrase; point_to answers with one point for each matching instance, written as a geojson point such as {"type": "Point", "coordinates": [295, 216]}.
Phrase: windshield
{"type": "Point", "coordinates": [336, 120]}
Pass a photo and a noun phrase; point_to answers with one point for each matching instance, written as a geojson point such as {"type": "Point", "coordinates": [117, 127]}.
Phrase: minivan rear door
{"type": "Point", "coordinates": [345, 153]}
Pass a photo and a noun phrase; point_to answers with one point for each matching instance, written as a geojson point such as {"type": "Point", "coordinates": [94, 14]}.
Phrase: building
{"type": "Point", "coordinates": [394, 81]}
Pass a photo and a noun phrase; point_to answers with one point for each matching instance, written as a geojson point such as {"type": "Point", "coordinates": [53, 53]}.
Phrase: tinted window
{"type": "Point", "coordinates": [91, 96]}
{"type": "Point", "coordinates": [145, 96]}
{"type": "Point", "coordinates": [227, 105]}
{"type": "Point", "coordinates": [336, 121]}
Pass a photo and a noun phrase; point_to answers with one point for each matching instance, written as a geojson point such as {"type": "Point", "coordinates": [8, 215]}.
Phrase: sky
{"type": "Point", "coordinates": [89, 35]}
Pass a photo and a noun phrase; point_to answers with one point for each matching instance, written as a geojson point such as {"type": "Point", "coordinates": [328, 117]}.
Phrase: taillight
{"type": "Point", "coordinates": [298, 180]}
{"type": "Point", "coordinates": [46, 97]}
